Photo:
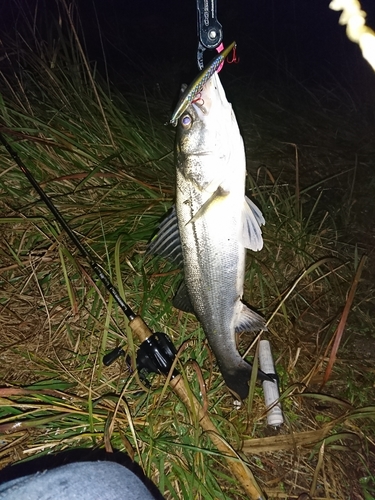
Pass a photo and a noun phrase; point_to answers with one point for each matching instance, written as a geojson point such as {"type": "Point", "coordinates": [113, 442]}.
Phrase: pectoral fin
{"type": "Point", "coordinates": [220, 193]}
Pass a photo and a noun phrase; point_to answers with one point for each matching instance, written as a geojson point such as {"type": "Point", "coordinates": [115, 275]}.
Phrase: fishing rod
{"type": "Point", "coordinates": [156, 353]}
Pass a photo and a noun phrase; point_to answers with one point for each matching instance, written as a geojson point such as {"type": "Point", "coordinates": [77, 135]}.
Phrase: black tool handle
{"type": "Point", "coordinates": [210, 31]}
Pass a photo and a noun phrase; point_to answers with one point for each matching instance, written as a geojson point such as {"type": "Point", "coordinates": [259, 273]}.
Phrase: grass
{"type": "Point", "coordinates": [107, 163]}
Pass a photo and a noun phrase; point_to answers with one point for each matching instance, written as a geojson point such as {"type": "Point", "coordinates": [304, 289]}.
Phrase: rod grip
{"type": "Point", "coordinates": [140, 328]}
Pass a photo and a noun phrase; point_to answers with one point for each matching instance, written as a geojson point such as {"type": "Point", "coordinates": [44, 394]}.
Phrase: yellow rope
{"type": "Point", "coordinates": [355, 20]}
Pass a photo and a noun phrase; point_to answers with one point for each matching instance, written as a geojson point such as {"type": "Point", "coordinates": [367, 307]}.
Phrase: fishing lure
{"type": "Point", "coordinates": [195, 87]}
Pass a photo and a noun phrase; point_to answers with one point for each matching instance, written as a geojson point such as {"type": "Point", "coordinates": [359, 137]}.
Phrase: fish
{"type": "Point", "coordinates": [210, 227]}
{"type": "Point", "coordinates": [190, 92]}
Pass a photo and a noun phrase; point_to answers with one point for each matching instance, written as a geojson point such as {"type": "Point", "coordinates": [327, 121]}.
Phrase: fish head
{"type": "Point", "coordinates": [208, 138]}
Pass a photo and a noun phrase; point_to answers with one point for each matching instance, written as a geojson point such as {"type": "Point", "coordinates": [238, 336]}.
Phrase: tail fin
{"type": "Point", "coordinates": [238, 380]}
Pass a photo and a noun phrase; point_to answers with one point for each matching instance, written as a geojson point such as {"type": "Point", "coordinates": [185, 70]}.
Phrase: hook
{"type": "Point", "coordinates": [234, 59]}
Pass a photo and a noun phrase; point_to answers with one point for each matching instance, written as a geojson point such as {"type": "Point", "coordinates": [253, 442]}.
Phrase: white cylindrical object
{"type": "Point", "coordinates": [271, 389]}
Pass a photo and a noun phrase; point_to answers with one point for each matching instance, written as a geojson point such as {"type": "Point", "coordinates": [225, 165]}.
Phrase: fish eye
{"type": "Point", "coordinates": [186, 121]}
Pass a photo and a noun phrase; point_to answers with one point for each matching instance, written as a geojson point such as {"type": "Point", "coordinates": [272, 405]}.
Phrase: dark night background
{"type": "Point", "coordinates": [154, 42]}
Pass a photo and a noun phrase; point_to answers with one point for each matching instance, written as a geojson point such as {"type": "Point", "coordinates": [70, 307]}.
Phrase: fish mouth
{"type": "Point", "coordinates": [212, 92]}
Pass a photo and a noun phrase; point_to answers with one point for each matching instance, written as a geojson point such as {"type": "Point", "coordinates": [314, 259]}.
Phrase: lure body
{"type": "Point", "coordinates": [188, 96]}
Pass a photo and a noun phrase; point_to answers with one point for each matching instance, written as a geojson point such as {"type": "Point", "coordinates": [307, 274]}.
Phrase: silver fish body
{"type": "Point", "coordinates": [216, 223]}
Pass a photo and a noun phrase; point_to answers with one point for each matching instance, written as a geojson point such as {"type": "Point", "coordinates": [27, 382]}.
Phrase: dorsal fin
{"type": "Point", "coordinates": [166, 242]}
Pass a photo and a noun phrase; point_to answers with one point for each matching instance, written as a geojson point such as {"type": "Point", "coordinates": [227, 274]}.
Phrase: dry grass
{"type": "Point", "coordinates": [107, 166]}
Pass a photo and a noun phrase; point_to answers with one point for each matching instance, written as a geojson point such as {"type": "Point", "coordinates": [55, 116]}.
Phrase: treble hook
{"type": "Point", "coordinates": [234, 59]}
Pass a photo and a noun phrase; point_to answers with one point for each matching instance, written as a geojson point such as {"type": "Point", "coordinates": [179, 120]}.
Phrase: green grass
{"type": "Point", "coordinates": [107, 164]}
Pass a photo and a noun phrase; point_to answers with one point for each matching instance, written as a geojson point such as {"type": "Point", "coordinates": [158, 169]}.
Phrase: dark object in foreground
{"type": "Point", "coordinates": [83, 480]}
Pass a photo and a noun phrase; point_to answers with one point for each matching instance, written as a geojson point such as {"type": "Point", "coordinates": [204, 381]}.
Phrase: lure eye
{"type": "Point", "coordinates": [186, 121]}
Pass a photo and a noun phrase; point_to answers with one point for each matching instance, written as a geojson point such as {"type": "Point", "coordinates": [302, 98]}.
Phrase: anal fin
{"type": "Point", "coordinates": [249, 321]}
